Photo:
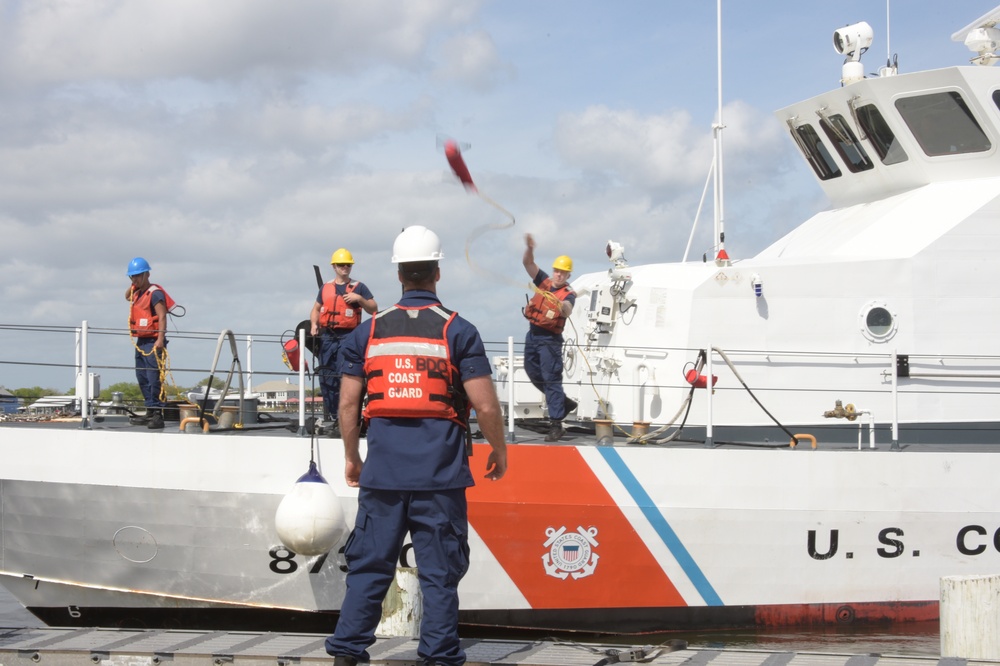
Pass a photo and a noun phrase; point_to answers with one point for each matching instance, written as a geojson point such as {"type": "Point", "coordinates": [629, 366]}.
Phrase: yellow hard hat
{"type": "Point", "coordinates": [563, 263]}
{"type": "Point", "coordinates": [342, 256]}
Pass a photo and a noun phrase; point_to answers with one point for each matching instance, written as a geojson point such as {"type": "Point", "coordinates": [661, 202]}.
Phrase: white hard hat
{"type": "Point", "coordinates": [416, 243]}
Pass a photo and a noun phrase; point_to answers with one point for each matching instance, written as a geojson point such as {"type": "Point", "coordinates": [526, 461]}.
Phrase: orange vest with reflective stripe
{"type": "Point", "coordinates": [142, 319]}
{"type": "Point", "coordinates": [408, 365]}
{"type": "Point", "coordinates": [542, 311]}
{"type": "Point", "coordinates": [335, 312]}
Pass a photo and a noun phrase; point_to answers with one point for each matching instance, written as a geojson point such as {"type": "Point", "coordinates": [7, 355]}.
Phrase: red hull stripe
{"type": "Point", "coordinates": [877, 612]}
{"type": "Point", "coordinates": [560, 536]}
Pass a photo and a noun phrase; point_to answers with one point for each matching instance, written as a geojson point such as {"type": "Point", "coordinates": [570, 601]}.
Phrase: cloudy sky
{"type": "Point", "coordinates": [237, 143]}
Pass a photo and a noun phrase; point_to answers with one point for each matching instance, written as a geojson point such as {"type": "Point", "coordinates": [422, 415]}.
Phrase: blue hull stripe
{"type": "Point", "coordinates": [659, 523]}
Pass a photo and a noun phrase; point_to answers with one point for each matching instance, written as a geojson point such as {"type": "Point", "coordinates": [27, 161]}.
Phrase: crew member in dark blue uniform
{"type": "Point", "coordinates": [424, 367]}
{"type": "Point", "coordinates": [149, 305]}
{"type": "Point", "coordinates": [546, 312]}
{"type": "Point", "coordinates": [335, 314]}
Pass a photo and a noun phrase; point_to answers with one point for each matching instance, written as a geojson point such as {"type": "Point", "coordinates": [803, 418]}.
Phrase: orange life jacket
{"type": "Point", "coordinates": [543, 311]}
{"type": "Point", "coordinates": [408, 365]}
{"type": "Point", "coordinates": [335, 312]}
{"type": "Point", "coordinates": [143, 320]}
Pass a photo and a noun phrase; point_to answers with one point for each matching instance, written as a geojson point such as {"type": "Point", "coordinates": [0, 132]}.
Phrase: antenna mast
{"type": "Point", "coordinates": [890, 68]}
{"type": "Point", "coordinates": [721, 258]}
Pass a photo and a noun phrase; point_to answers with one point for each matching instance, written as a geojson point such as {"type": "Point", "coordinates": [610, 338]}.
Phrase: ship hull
{"type": "Point", "coordinates": [171, 529]}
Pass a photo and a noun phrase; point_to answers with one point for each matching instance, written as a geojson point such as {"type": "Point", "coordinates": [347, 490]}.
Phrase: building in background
{"type": "Point", "coordinates": [282, 396]}
{"type": "Point", "coordinates": [54, 404]}
{"type": "Point", "coordinates": [9, 403]}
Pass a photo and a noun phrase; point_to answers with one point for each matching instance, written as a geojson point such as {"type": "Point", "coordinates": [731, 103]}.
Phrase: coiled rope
{"type": "Point", "coordinates": [162, 359]}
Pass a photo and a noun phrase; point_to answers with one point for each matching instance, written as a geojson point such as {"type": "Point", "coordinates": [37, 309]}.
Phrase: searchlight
{"type": "Point", "coordinates": [982, 38]}
{"type": "Point", "coordinates": [851, 41]}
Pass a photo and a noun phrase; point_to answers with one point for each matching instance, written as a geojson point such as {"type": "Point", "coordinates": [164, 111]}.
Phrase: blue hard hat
{"type": "Point", "coordinates": [137, 266]}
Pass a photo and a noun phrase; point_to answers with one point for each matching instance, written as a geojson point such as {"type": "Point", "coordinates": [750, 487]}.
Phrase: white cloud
{"type": "Point", "coordinates": [311, 126]}
{"type": "Point", "coordinates": [219, 180]}
{"type": "Point", "coordinates": [472, 60]}
{"type": "Point", "coordinates": [654, 151]}
{"type": "Point", "coordinates": [665, 154]}
{"type": "Point", "coordinates": [66, 40]}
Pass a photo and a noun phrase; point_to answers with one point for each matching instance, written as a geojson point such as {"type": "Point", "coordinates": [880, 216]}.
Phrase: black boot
{"type": "Point", "coordinates": [570, 405]}
{"type": "Point", "coordinates": [156, 420]}
{"type": "Point", "coordinates": [555, 431]}
{"type": "Point", "coordinates": [345, 661]}
{"type": "Point", "coordinates": [141, 419]}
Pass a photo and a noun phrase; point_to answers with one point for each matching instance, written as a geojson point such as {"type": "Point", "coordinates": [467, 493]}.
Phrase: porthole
{"type": "Point", "coordinates": [878, 322]}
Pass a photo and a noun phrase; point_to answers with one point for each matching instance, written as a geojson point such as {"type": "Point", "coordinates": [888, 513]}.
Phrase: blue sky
{"type": "Point", "coordinates": [234, 144]}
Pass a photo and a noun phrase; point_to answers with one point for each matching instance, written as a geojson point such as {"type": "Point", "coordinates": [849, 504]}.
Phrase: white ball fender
{"type": "Point", "coordinates": [309, 519]}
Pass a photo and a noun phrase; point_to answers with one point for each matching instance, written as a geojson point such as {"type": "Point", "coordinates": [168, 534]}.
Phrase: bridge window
{"type": "Point", "coordinates": [845, 143]}
{"type": "Point", "coordinates": [882, 139]}
{"type": "Point", "coordinates": [816, 153]}
{"type": "Point", "coordinates": [943, 124]}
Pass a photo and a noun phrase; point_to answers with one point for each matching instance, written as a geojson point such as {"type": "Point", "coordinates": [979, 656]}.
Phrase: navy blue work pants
{"type": "Point", "coordinates": [439, 530]}
{"type": "Point", "coordinates": [543, 362]}
{"type": "Point", "coordinates": [147, 372]}
{"type": "Point", "coordinates": [329, 370]}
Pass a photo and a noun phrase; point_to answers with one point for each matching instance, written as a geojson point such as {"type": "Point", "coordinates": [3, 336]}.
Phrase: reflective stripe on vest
{"type": "Point", "coordinates": [408, 365]}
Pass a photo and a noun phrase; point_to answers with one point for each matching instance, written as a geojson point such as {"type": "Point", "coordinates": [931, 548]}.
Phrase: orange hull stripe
{"type": "Point", "coordinates": [548, 493]}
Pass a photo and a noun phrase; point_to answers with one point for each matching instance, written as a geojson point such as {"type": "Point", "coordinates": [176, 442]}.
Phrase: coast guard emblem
{"type": "Point", "coordinates": [570, 553]}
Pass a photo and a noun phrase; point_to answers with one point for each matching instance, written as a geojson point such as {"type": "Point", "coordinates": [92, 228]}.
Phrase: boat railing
{"type": "Point", "coordinates": [879, 382]}
{"type": "Point", "coordinates": [82, 353]}
{"type": "Point", "coordinates": [236, 369]}
{"type": "Point", "coordinates": [619, 380]}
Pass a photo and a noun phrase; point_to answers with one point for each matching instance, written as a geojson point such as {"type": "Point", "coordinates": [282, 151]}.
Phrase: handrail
{"type": "Point", "coordinates": [889, 389]}
{"type": "Point", "coordinates": [302, 383]}
{"type": "Point", "coordinates": [894, 364]}
{"type": "Point", "coordinates": [951, 375]}
{"type": "Point", "coordinates": [709, 392]}
{"type": "Point", "coordinates": [229, 378]}
{"type": "Point", "coordinates": [84, 379]}
{"type": "Point", "coordinates": [510, 390]}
